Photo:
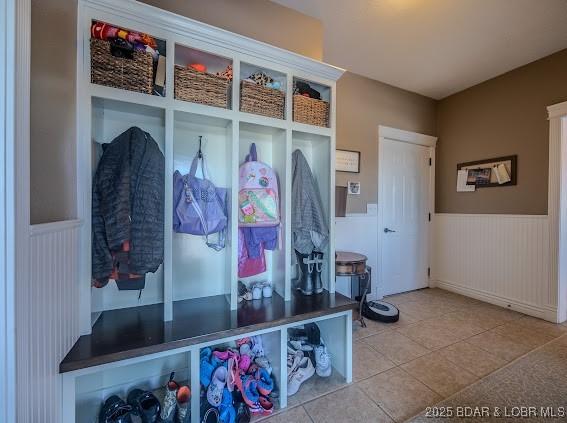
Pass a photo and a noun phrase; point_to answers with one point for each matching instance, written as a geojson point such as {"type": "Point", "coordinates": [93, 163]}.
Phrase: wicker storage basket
{"type": "Point", "coordinates": [311, 111]}
{"type": "Point", "coordinates": [201, 87]}
{"type": "Point", "coordinates": [135, 74]}
{"type": "Point", "coordinates": [255, 98]}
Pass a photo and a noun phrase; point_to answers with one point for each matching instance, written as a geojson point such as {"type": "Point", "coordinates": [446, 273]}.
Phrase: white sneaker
{"type": "Point", "coordinates": [322, 361]}
{"type": "Point", "coordinates": [300, 374]}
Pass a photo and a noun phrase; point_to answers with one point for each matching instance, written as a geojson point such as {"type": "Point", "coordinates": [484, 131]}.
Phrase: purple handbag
{"type": "Point", "coordinates": [199, 208]}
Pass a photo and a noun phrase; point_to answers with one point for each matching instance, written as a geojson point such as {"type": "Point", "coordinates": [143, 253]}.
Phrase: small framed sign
{"type": "Point", "coordinates": [347, 161]}
{"type": "Point", "coordinates": [353, 188]}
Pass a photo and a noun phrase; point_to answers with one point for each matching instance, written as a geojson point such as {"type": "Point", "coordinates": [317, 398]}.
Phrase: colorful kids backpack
{"type": "Point", "coordinates": [258, 198]}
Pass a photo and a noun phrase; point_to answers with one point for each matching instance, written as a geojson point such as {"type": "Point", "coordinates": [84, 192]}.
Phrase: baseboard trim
{"type": "Point", "coordinates": [545, 313]}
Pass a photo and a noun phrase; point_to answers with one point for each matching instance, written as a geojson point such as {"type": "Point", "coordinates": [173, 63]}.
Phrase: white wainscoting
{"type": "Point", "coordinates": [358, 233]}
{"type": "Point", "coordinates": [51, 326]}
{"type": "Point", "coordinates": [500, 259]}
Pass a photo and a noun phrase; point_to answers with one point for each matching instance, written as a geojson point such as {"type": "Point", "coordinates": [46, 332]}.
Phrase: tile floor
{"type": "Point", "coordinates": [442, 343]}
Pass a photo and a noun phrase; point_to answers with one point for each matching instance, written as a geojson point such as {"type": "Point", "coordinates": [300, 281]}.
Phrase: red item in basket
{"type": "Point", "coordinates": [103, 31]}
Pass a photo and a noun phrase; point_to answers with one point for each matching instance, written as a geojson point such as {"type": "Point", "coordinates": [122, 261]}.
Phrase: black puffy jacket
{"type": "Point", "coordinates": [128, 204]}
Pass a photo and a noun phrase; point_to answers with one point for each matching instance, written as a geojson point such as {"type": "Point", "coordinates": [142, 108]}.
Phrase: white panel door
{"type": "Point", "coordinates": [404, 192]}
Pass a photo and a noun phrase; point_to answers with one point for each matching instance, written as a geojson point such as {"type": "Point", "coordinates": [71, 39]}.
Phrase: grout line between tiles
{"type": "Point", "coordinates": [375, 403]}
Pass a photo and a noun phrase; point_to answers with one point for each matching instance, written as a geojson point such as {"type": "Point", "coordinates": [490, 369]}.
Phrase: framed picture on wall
{"type": "Point", "coordinates": [353, 188]}
{"type": "Point", "coordinates": [347, 161]}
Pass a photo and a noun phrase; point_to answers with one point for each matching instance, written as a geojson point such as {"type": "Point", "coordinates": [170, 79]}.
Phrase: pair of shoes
{"type": "Point", "coordinates": [261, 289]}
{"type": "Point", "coordinates": [299, 369]}
{"type": "Point", "coordinates": [318, 353]}
{"type": "Point", "coordinates": [142, 404]}
{"type": "Point", "coordinates": [244, 294]}
{"type": "Point", "coordinates": [176, 403]}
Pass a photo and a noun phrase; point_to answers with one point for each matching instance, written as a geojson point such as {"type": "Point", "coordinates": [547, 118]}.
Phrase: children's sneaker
{"type": "Point", "coordinates": [322, 361]}
{"type": "Point", "coordinates": [243, 292]}
{"type": "Point", "coordinates": [267, 290]}
{"type": "Point", "coordinates": [183, 405]}
{"type": "Point", "coordinates": [293, 360]}
{"type": "Point", "coordinates": [144, 404]}
{"type": "Point", "coordinates": [256, 292]}
{"type": "Point", "coordinates": [302, 372]}
{"type": "Point", "coordinates": [257, 346]}
{"type": "Point", "coordinates": [264, 363]}
{"type": "Point", "coordinates": [218, 382]}
{"type": "Point", "coordinates": [116, 410]}
{"type": "Point", "coordinates": [169, 401]}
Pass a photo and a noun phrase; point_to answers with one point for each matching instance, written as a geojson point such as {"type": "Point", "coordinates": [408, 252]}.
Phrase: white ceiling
{"type": "Point", "coordinates": [436, 47]}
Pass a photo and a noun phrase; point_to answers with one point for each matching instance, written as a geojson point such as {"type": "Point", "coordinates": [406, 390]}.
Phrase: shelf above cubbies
{"type": "Point", "coordinates": [137, 331]}
{"type": "Point", "coordinates": [126, 96]}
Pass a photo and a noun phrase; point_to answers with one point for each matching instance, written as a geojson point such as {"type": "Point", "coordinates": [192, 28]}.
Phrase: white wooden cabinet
{"type": "Point", "coordinates": [190, 270]}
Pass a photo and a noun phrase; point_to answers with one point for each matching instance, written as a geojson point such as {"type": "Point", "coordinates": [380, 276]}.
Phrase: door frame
{"type": "Point", "coordinates": [400, 135]}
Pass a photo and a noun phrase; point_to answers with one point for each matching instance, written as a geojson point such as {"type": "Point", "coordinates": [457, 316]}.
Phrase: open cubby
{"type": "Point", "coordinates": [111, 118]}
{"type": "Point", "coordinates": [271, 148]}
{"type": "Point", "coordinates": [151, 375]}
{"type": "Point", "coordinates": [271, 343]}
{"type": "Point", "coordinates": [199, 271]}
{"type": "Point", "coordinates": [317, 152]}
{"type": "Point", "coordinates": [333, 334]}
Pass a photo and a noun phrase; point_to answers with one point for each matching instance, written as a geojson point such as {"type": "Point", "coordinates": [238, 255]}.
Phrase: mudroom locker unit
{"type": "Point", "coordinates": [133, 338]}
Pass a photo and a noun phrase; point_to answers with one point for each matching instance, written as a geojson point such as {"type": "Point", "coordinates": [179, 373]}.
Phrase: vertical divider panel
{"type": "Point", "coordinates": [280, 162]}
{"type": "Point", "coordinates": [348, 346]}
{"type": "Point", "coordinates": [68, 398]}
{"type": "Point", "coordinates": [233, 215]}
{"type": "Point", "coordinates": [84, 166]}
{"type": "Point", "coordinates": [331, 261]}
{"type": "Point", "coordinates": [283, 368]}
{"type": "Point", "coordinates": [334, 331]}
{"type": "Point", "coordinates": [194, 358]}
{"type": "Point", "coordinates": [287, 211]}
{"type": "Point", "coordinates": [168, 221]}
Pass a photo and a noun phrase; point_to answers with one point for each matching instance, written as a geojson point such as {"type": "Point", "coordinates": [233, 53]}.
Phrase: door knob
{"type": "Point", "coordinates": [386, 230]}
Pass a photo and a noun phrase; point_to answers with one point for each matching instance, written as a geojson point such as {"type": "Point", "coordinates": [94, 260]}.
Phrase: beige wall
{"type": "Point", "coordinates": [503, 116]}
{"type": "Point", "coordinates": [52, 136]}
{"type": "Point", "coordinates": [362, 105]}
{"type": "Point", "coordinates": [259, 19]}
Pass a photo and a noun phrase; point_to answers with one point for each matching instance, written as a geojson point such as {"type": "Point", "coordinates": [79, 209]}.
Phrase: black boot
{"type": "Point", "coordinates": [317, 270]}
{"type": "Point", "coordinates": [305, 280]}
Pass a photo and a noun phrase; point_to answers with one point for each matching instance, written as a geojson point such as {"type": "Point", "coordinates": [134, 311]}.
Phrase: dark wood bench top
{"type": "Point", "coordinates": [137, 331]}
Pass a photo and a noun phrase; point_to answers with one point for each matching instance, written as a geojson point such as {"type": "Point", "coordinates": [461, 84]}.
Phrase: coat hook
{"type": "Point", "coordinates": [200, 152]}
